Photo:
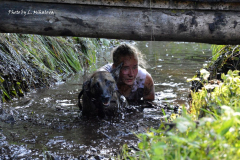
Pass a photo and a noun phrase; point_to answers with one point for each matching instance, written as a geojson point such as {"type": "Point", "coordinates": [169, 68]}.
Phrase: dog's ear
{"type": "Point", "coordinates": [86, 85]}
{"type": "Point", "coordinates": [115, 72]}
{"type": "Point", "coordinates": [87, 88]}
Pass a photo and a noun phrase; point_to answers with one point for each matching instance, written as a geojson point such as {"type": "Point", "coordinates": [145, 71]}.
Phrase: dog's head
{"type": "Point", "coordinates": [100, 95]}
{"type": "Point", "coordinates": [102, 86]}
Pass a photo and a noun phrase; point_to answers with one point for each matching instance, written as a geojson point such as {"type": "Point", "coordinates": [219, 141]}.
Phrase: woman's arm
{"type": "Point", "coordinates": [149, 91]}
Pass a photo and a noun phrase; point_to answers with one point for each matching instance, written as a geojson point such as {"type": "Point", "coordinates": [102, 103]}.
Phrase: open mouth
{"type": "Point", "coordinates": [106, 101]}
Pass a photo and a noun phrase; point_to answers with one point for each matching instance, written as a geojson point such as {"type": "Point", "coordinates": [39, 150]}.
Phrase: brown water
{"type": "Point", "coordinates": [46, 121]}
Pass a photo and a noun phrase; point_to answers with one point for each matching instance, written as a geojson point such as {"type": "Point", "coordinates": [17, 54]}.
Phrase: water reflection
{"type": "Point", "coordinates": [171, 64]}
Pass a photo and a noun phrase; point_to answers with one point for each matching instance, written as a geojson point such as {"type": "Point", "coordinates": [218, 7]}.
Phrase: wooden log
{"type": "Point", "coordinates": [164, 4]}
{"type": "Point", "coordinates": [216, 27]}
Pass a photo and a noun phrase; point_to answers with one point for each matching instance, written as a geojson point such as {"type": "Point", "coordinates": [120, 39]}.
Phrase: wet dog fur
{"type": "Point", "coordinates": [99, 95]}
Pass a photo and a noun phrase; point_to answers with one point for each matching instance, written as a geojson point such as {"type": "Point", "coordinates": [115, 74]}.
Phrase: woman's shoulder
{"type": "Point", "coordinates": [142, 73]}
{"type": "Point", "coordinates": [140, 79]}
{"type": "Point", "coordinates": [106, 67]}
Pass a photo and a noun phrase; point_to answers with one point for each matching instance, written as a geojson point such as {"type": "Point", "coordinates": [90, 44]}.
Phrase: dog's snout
{"type": "Point", "coordinates": [106, 97]}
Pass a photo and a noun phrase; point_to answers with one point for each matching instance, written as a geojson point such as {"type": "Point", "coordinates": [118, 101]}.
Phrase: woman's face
{"type": "Point", "coordinates": [129, 70]}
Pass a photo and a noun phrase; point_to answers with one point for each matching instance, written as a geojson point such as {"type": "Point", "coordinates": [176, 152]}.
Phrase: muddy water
{"type": "Point", "coordinates": [45, 124]}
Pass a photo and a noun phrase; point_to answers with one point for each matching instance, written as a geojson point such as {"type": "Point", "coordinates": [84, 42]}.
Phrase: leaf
{"type": "Point", "coordinates": [183, 124]}
{"type": "Point", "coordinates": [204, 73]}
{"type": "Point", "coordinates": [225, 127]}
{"type": "Point", "coordinates": [159, 145]}
{"type": "Point", "coordinates": [193, 79]}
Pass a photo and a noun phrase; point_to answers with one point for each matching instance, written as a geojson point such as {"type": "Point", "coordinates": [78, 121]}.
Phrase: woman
{"type": "Point", "coordinates": [134, 82]}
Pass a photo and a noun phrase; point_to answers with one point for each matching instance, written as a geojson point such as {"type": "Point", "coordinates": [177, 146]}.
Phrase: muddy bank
{"type": "Point", "coordinates": [225, 58]}
{"type": "Point", "coordinates": [33, 61]}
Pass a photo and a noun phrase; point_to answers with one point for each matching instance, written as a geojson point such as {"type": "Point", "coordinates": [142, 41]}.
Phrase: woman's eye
{"type": "Point", "coordinates": [135, 67]}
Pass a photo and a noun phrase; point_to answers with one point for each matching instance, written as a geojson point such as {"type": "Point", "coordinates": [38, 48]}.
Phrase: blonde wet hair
{"type": "Point", "coordinates": [128, 50]}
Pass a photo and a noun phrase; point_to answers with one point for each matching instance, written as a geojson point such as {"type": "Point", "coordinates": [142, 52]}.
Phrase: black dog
{"type": "Point", "coordinates": [100, 97]}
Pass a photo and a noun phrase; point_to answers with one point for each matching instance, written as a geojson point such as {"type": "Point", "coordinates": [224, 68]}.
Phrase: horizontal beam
{"type": "Point", "coordinates": [216, 27]}
{"type": "Point", "coordinates": [232, 5]}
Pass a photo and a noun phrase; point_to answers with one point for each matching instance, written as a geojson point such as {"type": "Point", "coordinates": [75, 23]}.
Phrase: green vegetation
{"type": "Point", "coordinates": [215, 136]}
{"type": "Point", "coordinates": [225, 58]}
{"type": "Point", "coordinates": [32, 61]}
{"type": "Point", "coordinates": [208, 130]}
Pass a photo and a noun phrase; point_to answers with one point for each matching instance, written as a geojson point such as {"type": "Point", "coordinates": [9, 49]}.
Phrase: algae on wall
{"type": "Point", "coordinates": [33, 61]}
